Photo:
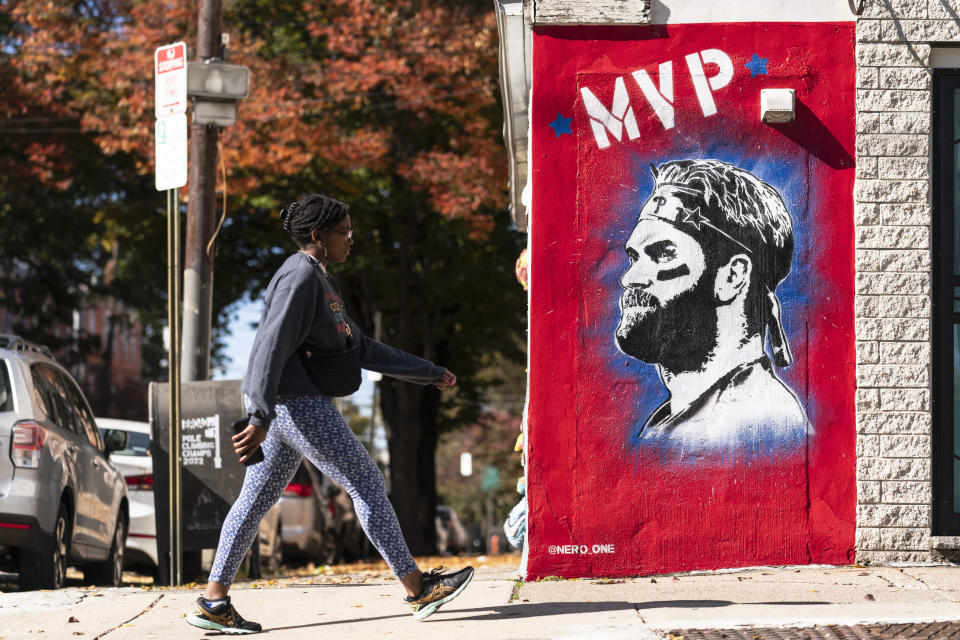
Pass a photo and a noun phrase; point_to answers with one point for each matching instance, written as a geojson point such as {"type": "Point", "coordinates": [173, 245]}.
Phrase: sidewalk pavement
{"type": "Point", "coordinates": [496, 606]}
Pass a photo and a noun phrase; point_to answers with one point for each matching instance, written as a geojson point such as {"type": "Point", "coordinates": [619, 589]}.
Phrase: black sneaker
{"type": "Point", "coordinates": [438, 589]}
{"type": "Point", "coordinates": [223, 618]}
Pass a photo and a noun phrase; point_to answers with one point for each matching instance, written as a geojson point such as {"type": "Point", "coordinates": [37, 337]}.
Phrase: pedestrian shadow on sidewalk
{"type": "Point", "coordinates": [519, 610]}
{"type": "Point", "coordinates": [498, 612]}
{"type": "Point", "coordinates": [528, 610]}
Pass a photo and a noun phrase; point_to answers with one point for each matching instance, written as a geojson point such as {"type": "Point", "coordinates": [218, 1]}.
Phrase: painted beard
{"type": "Point", "coordinates": [679, 335]}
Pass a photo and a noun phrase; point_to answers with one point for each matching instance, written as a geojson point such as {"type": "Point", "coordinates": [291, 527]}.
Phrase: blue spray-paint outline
{"type": "Point", "coordinates": [788, 174]}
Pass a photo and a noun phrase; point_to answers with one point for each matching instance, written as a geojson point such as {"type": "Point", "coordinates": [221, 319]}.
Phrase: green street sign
{"type": "Point", "coordinates": [491, 479]}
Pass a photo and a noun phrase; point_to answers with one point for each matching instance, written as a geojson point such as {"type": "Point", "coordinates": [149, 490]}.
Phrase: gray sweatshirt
{"type": "Point", "coordinates": [303, 302]}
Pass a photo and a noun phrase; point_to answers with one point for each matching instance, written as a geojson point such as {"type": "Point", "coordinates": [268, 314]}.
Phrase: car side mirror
{"type": "Point", "coordinates": [114, 440]}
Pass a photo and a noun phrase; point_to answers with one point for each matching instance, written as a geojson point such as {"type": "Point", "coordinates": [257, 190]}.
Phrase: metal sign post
{"type": "Point", "coordinates": [173, 362]}
{"type": "Point", "coordinates": [170, 74]}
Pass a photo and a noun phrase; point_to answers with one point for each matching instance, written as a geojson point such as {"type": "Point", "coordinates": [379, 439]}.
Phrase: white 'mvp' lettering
{"type": "Point", "coordinates": [620, 116]}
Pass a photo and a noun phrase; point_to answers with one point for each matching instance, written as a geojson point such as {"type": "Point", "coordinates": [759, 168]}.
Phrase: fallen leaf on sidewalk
{"type": "Point", "coordinates": [72, 619]}
{"type": "Point", "coordinates": [869, 596]}
{"type": "Point", "coordinates": [355, 606]}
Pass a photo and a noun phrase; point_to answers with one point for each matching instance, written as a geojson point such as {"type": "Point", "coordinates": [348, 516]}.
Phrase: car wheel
{"type": "Point", "coordinates": [109, 573]}
{"type": "Point", "coordinates": [48, 569]}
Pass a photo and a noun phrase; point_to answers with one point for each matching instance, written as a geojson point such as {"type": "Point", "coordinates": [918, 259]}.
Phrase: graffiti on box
{"type": "Point", "coordinates": [200, 441]}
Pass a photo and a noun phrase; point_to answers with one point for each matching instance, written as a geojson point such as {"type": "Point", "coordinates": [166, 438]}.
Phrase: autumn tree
{"type": "Point", "coordinates": [66, 205]}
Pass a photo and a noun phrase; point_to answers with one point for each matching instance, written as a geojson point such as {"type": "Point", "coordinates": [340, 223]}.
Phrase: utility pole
{"type": "Point", "coordinates": [198, 267]}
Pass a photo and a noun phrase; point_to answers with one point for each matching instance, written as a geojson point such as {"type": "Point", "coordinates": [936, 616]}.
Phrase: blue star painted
{"type": "Point", "coordinates": [757, 66]}
{"type": "Point", "coordinates": [561, 126]}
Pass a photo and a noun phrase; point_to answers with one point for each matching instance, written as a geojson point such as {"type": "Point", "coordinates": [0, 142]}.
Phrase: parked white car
{"type": "Point", "coordinates": [136, 465]}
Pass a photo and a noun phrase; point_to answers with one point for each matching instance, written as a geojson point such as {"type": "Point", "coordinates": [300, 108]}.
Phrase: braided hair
{"type": "Point", "coordinates": [315, 211]}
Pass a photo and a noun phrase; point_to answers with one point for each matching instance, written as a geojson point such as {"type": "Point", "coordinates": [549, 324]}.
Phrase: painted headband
{"type": "Point", "coordinates": [683, 219]}
{"type": "Point", "coordinates": [683, 216]}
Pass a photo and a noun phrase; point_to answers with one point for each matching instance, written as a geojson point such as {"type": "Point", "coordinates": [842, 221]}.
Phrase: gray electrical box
{"type": "Point", "coordinates": [211, 475]}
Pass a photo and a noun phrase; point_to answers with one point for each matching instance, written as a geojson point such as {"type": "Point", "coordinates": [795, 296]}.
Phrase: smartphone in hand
{"type": "Point", "coordinates": [256, 456]}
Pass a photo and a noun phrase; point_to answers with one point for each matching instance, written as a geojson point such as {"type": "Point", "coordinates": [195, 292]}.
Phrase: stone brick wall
{"type": "Point", "coordinates": [893, 218]}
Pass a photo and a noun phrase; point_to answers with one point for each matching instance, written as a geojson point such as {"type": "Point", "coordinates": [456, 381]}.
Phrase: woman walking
{"type": "Point", "coordinates": [306, 350]}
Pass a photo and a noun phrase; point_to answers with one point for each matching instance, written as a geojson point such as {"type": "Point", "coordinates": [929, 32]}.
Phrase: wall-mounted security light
{"type": "Point", "coordinates": [778, 105]}
{"type": "Point", "coordinates": [216, 87]}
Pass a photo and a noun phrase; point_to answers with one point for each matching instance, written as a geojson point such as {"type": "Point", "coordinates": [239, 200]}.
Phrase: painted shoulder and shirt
{"type": "Point", "coordinates": [303, 302]}
{"type": "Point", "coordinates": [747, 408]}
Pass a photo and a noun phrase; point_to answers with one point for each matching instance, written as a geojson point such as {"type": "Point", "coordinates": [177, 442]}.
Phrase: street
{"type": "Point", "coordinates": [363, 601]}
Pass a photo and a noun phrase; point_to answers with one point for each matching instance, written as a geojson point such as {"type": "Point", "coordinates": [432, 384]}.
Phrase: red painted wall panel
{"type": "Point", "coordinates": [664, 432]}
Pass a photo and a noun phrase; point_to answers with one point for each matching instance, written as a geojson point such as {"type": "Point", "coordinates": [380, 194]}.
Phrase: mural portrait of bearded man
{"type": "Point", "coordinates": [709, 249]}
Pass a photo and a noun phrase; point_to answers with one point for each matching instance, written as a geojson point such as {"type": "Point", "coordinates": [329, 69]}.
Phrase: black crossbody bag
{"type": "Point", "coordinates": [334, 374]}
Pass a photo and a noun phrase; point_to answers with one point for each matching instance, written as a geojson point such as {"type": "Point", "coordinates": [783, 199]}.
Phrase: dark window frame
{"type": "Point", "coordinates": [47, 395]}
{"type": "Point", "coordinates": [82, 411]}
{"type": "Point", "coordinates": [6, 387]}
{"type": "Point", "coordinates": [945, 520]}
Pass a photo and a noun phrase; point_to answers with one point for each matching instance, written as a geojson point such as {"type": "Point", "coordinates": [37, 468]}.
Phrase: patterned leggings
{"type": "Point", "coordinates": [310, 426]}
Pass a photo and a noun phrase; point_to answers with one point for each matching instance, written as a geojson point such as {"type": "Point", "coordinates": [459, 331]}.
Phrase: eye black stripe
{"type": "Point", "coordinates": [671, 274]}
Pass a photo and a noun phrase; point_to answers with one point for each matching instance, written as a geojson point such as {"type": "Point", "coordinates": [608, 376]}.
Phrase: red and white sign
{"type": "Point", "coordinates": [170, 73]}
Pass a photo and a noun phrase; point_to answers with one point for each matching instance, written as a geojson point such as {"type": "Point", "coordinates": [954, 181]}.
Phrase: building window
{"type": "Point", "coordinates": [946, 303]}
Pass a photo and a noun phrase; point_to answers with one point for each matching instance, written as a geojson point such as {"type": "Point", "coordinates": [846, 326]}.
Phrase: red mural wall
{"type": "Point", "coordinates": [692, 369]}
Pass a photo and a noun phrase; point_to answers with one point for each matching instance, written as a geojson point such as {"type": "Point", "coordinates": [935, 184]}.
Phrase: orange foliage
{"type": "Point", "coordinates": [374, 71]}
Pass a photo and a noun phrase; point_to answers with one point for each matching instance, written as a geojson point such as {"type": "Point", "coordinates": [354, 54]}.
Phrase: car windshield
{"type": "Point", "coordinates": [6, 392]}
{"type": "Point", "coordinates": [138, 444]}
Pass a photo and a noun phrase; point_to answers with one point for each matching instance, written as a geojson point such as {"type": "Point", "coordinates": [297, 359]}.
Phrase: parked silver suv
{"type": "Point", "coordinates": [61, 501]}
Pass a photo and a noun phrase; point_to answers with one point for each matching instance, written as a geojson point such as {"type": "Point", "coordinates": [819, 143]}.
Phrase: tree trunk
{"type": "Point", "coordinates": [105, 384]}
{"type": "Point", "coordinates": [410, 416]}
